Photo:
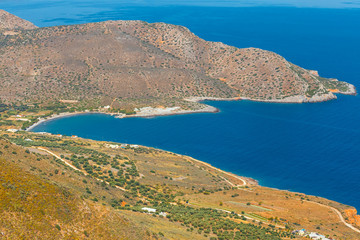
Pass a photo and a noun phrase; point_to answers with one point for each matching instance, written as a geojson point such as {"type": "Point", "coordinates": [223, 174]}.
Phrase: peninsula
{"type": "Point", "coordinates": [62, 187]}
{"type": "Point", "coordinates": [128, 64]}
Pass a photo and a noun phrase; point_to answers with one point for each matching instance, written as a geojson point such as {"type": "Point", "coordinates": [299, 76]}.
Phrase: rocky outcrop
{"type": "Point", "coordinates": [351, 90]}
{"type": "Point", "coordinates": [300, 99]}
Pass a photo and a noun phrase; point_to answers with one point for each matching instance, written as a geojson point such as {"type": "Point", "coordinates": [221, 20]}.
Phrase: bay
{"type": "Point", "coordinates": [310, 148]}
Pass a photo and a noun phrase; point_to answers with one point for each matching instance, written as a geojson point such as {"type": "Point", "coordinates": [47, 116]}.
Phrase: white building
{"type": "Point", "coordinates": [149, 210]}
{"type": "Point", "coordinates": [162, 214]}
{"type": "Point", "coordinates": [112, 146]}
{"type": "Point", "coordinates": [13, 130]}
{"type": "Point", "coordinates": [317, 236]}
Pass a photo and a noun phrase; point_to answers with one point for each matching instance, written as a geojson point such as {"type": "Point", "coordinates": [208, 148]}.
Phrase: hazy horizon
{"type": "Point", "coordinates": [215, 3]}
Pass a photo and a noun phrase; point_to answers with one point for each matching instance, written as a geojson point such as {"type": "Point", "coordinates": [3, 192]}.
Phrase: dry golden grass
{"type": "Point", "coordinates": [161, 225]}
{"type": "Point", "coordinates": [32, 207]}
{"type": "Point", "coordinates": [285, 206]}
{"type": "Point", "coordinates": [189, 177]}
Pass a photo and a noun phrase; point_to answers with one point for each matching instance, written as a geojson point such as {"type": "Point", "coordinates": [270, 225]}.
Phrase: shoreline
{"type": "Point", "coordinates": [298, 99]}
{"type": "Point", "coordinates": [55, 116]}
{"type": "Point", "coordinates": [246, 182]}
{"type": "Point", "coordinates": [208, 109]}
{"type": "Point", "coordinates": [205, 109]}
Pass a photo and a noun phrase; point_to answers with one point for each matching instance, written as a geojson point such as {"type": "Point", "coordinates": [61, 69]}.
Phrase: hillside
{"type": "Point", "coordinates": [100, 187]}
{"type": "Point", "coordinates": [117, 62]}
{"type": "Point", "coordinates": [9, 21]}
{"type": "Point", "coordinates": [34, 207]}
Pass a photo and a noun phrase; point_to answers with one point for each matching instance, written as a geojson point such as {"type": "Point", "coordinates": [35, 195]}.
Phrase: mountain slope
{"type": "Point", "coordinates": [138, 60]}
{"type": "Point", "coordinates": [35, 208]}
{"type": "Point", "coordinates": [10, 21]}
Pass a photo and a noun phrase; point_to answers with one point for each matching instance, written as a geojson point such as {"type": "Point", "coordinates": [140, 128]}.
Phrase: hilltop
{"type": "Point", "coordinates": [122, 62]}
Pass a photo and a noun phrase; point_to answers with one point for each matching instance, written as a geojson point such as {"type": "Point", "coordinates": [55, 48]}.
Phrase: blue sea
{"type": "Point", "coordinates": [309, 148]}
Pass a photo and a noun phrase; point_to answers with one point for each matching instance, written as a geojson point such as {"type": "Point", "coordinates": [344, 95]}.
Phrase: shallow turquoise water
{"type": "Point", "coordinates": [311, 148]}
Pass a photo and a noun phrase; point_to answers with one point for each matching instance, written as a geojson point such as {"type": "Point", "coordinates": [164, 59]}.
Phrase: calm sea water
{"type": "Point", "coordinates": [310, 148]}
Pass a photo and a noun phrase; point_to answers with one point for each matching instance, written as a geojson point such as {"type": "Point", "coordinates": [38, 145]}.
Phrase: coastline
{"type": "Point", "coordinates": [245, 180]}
{"type": "Point", "coordinates": [298, 99]}
{"type": "Point", "coordinates": [205, 109]}
{"type": "Point", "coordinates": [208, 109]}
{"type": "Point", "coordinates": [52, 117]}
{"type": "Point", "coordinates": [39, 122]}
{"type": "Point", "coordinates": [246, 183]}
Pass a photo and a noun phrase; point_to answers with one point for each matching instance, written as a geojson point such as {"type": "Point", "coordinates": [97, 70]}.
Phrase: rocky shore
{"type": "Point", "coordinates": [298, 99]}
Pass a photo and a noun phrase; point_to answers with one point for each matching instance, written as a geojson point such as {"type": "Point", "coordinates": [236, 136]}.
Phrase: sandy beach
{"type": "Point", "coordinates": [142, 112]}
{"type": "Point", "coordinates": [66, 114]}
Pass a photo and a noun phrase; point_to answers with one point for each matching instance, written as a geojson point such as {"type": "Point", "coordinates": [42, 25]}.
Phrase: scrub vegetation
{"type": "Point", "coordinates": [190, 196]}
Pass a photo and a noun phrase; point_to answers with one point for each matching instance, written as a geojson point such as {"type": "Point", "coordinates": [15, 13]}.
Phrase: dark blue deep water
{"type": "Point", "coordinates": [310, 148]}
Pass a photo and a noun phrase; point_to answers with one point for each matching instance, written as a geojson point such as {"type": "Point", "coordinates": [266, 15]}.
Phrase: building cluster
{"type": "Point", "coordinates": [153, 210]}
{"type": "Point", "coordinates": [311, 235]}
{"type": "Point", "coordinates": [115, 146]}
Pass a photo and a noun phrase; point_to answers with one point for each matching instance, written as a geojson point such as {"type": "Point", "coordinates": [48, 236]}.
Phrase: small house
{"type": "Point", "coordinates": [149, 210]}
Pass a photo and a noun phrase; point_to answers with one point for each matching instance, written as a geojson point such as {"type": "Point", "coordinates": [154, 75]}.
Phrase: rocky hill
{"type": "Point", "coordinates": [10, 22]}
{"type": "Point", "coordinates": [137, 60]}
